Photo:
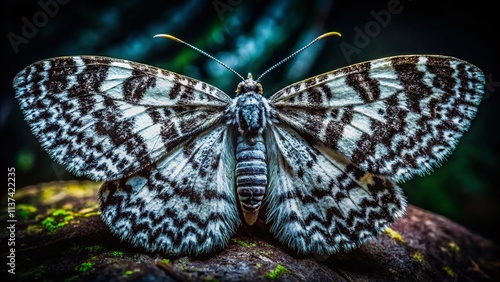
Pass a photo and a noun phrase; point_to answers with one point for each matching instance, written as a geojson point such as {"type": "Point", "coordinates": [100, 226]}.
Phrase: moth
{"type": "Point", "coordinates": [184, 164]}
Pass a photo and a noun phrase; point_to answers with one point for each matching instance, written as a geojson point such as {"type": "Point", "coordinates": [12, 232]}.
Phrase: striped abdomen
{"type": "Point", "coordinates": [251, 175]}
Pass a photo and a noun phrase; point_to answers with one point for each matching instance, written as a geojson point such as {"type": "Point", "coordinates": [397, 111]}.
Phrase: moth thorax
{"type": "Point", "coordinates": [250, 114]}
{"type": "Point", "coordinates": [251, 175]}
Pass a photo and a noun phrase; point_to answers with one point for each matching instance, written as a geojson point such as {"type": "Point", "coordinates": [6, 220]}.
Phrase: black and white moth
{"type": "Point", "coordinates": [184, 164]}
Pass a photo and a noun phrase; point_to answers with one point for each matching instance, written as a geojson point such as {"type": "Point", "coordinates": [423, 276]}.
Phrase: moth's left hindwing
{"type": "Point", "coordinates": [183, 204]}
{"type": "Point", "coordinates": [108, 118]}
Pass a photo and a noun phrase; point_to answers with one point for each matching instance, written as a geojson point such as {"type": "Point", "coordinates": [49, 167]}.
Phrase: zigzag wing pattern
{"type": "Point", "coordinates": [396, 117]}
{"type": "Point", "coordinates": [183, 204]}
{"type": "Point", "coordinates": [320, 202]}
{"type": "Point", "coordinates": [108, 118]}
{"type": "Point", "coordinates": [327, 148]}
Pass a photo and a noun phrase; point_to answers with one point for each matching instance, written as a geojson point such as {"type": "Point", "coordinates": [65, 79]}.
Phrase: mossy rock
{"type": "Point", "coordinates": [60, 236]}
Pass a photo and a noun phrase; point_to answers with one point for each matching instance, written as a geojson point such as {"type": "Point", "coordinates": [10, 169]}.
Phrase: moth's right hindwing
{"type": "Point", "coordinates": [319, 202]}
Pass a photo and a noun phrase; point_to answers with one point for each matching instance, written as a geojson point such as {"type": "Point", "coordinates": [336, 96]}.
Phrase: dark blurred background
{"type": "Point", "coordinates": [250, 36]}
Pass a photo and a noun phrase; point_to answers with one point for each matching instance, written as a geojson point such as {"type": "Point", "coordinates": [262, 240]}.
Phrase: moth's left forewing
{"type": "Point", "coordinates": [396, 116]}
{"type": "Point", "coordinates": [108, 118]}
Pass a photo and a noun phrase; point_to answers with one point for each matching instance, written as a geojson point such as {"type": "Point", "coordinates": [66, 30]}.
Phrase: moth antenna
{"type": "Point", "coordinates": [298, 51]}
{"type": "Point", "coordinates": [199, 50]}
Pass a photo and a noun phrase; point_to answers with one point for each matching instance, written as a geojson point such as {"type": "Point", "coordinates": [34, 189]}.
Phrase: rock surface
{"type": "Point", "coordinates": [60, 236]}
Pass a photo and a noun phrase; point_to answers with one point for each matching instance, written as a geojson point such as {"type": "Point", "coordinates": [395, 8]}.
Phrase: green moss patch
{"type": "Point", "coordinates": [84, 267]}
{"type": "Point", "coordinates": [129, 272]}
{"type": "Point", "coordinates": [243, 243]}
{"type": "Point", "coordinates": [117, 253]}
{"type": "Point", "coordinates": [279, 270]}
{"type": "Point", "coordinates": [449, 271]}
{"type": "Point", "coordinates": [394, 235]}
{"type": "Point", "coordinates": [418, 257]}
{"type": "Point", "coordinates": [57, 219]}
{"type": "Point", "coordinates": [26, 211]}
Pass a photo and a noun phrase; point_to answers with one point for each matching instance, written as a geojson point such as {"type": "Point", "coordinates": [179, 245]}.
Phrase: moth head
{"type": "Point", "coordinates": [249, 85]}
